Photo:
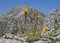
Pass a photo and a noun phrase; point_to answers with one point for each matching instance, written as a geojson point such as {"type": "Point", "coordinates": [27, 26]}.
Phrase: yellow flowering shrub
{"type": "Point", "coordinates": [45, 29]}
{"type": "Point", "coordinates": [37, 15]}
{"type": "Point", "coordinates": [26, 11]}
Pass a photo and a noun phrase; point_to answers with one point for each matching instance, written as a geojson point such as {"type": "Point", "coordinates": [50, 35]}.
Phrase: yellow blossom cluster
{"type": "Point", "coordinates": [26, 11]}
{"type": "Point", "coordinates": [37, 15]}
{"type": "Point", "coordinates": [45, 29]}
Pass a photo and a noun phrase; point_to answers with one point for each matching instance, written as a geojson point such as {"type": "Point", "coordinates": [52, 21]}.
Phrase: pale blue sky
{"type": "Point", "coordinates": [44, 6]}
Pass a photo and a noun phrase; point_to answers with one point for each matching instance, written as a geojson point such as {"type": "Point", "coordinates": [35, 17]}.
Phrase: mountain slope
{"type": "Point", "coordinates": [13, 21]}
{"type": "Point", "coordinates": [53, 19]}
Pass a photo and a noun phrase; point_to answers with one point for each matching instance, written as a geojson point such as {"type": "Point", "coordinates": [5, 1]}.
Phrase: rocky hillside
{"type": "Point", "coordinates": [13, 21]}
{"type": "Point", "coordinates": [53, 19]}
{"type": "Point", "coordinates": [12, 26]}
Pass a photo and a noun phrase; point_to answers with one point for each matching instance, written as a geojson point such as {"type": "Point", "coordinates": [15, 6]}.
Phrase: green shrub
{"type": "Point", "coordinates": [33, 36]}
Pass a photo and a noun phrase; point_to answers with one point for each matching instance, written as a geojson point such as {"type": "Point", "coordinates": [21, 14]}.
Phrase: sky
{"type": "Point", "coordinates": [44, 6]}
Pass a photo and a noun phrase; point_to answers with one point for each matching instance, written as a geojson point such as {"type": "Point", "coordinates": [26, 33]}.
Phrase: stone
{"type": "Point", "coordinates": [41, 41]}
{"type": "Point", "coordinates": [58, 37]}
{"type": "Point", "coordinates": [10, 41]}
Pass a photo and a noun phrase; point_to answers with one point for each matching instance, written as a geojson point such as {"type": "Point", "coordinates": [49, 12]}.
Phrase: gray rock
{"type": "Point", "coordinates": [10, 41]}
{"type": "Point", "coordinates": [42, 41]}
{"type": "Point", "coordinates": [57, 41]}
{"type": "Point", "coordinates": [16, 41]}
{"type": "Point", "coordinates": [52, 21]}
{"type": "Point", "coordinates": [58, 38]}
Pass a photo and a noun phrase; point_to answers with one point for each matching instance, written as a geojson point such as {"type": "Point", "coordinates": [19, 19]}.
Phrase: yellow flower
{"type": "Point", "coordinates": [37, 15]}
{"type": "Point", "coordinates": [26, 11]}
{"type": "Point", "coordinates": [45, 29]}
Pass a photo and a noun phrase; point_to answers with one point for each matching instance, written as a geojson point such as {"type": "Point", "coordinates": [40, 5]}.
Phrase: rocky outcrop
{"type": "Point", "coordinates": [53, 19]}
{"type": "Point", "coordinates": [13, 21]}
{"type": "Point", "coordinates": [10, 41]}
{"type": "Point", "coordinates": [16, 41]}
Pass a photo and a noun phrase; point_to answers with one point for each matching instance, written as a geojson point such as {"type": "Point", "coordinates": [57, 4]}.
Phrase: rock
{"type": "Point", "coordinates": [52, 21]}
{"type": "Point", "coordinates": [11, 36]}
{"type": "Point", "coordinates": [10, 41]}
{"type": "Point", "coordinates": [43, 40]}
{"type": "Point", "coordinates": [16, 41]}
{"type": "Point", "coordinates": [57, 41]}
{"type": "Point", "coordinates": [40, 41]}
{"type": "Point", "coordinates": [8, 36]}
{"type": "Point", "coordinates": [58, 38]}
